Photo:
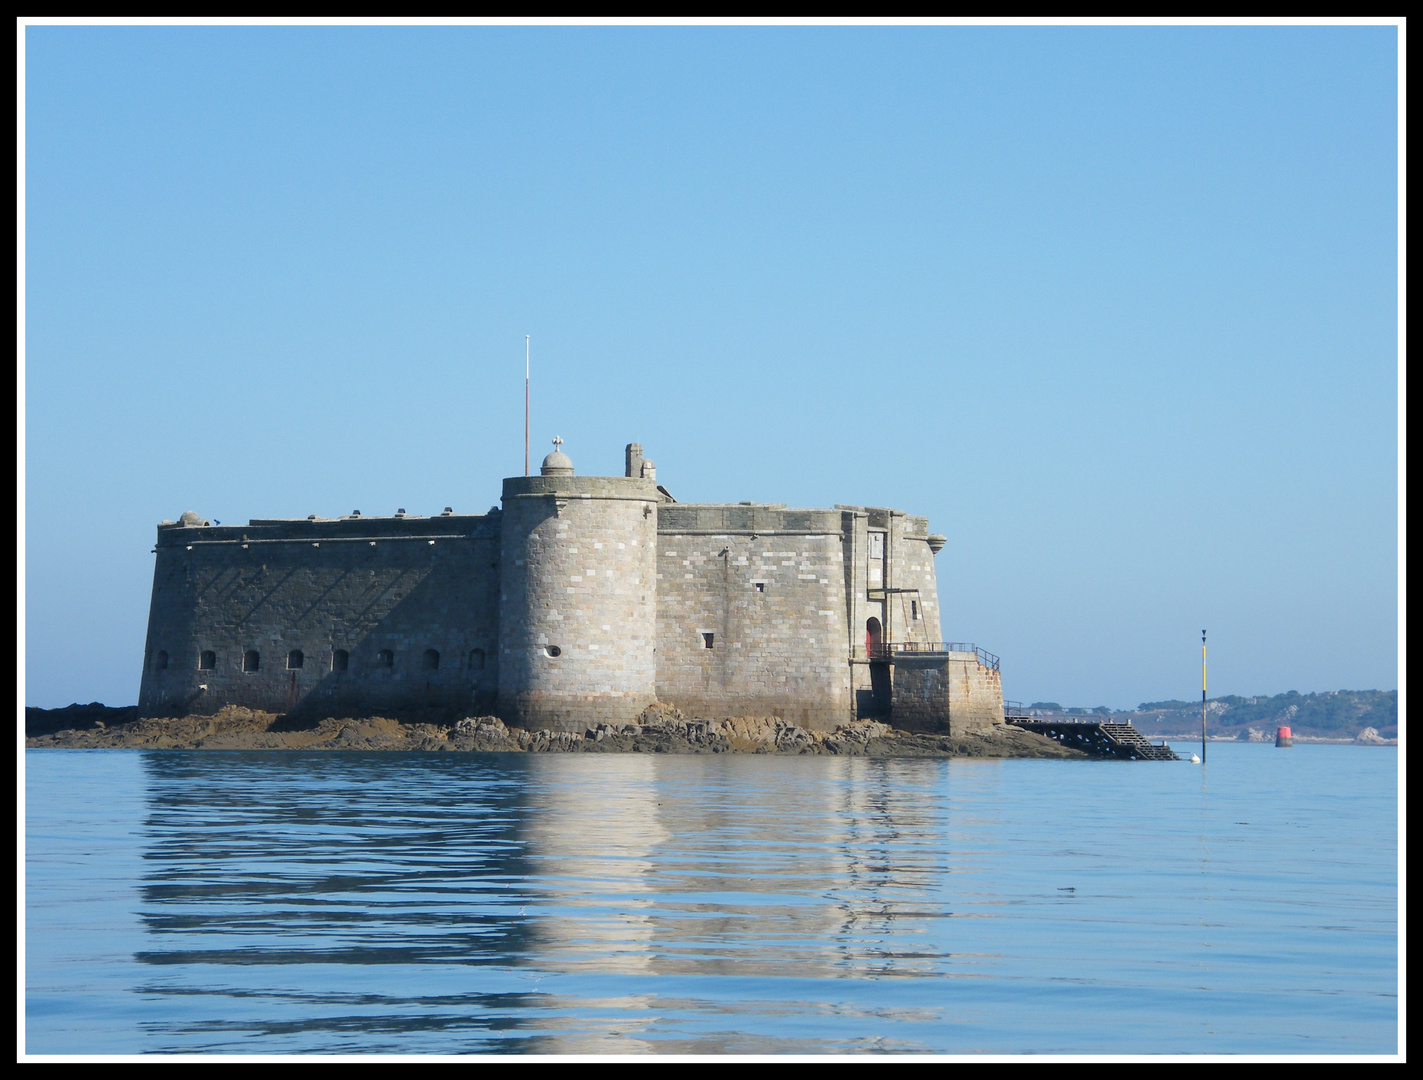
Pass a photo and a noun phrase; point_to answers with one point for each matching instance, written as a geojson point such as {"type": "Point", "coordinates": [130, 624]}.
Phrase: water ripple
{"type": "Point", "coordinates": [287, 902]}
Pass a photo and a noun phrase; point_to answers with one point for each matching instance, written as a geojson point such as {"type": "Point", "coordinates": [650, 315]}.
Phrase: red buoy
{"type": "Point", "coordinates": [1282, 736]}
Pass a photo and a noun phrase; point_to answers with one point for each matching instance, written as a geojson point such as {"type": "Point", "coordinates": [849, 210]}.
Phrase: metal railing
{"type": "Point", "coordinates": [1055, 719]}
{"type": "Point", "coordinates": [986, 658]}
{"type": "Point", "coordinates": [887, 650]}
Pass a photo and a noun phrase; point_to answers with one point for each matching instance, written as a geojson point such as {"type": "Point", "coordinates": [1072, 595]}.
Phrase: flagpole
{"type": "Point", "coordinates": [1203, 697]}
{"type": "Point", "coordinates": [526, 404]}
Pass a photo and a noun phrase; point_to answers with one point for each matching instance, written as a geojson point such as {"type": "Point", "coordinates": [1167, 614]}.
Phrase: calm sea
{"type": "Point", "coordinates": [458, 903]}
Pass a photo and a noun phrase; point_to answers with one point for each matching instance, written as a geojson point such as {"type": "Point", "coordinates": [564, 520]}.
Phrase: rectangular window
{"type": "Point", "coordinates": [708, 640]}
{"type": "Point", "coordinates": [914, 608]}
{"type": "Point", "coordinates": [760, 586]}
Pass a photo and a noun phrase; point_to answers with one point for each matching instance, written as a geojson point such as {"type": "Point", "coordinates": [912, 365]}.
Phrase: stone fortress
{"type": "Point", "coordinates": [582, 600]}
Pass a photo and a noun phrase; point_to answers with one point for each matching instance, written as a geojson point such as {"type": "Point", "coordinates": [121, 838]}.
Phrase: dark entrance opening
{"type": "Point", "coordinates": [875, 700]}
{"type": "Point", "coordinates": [881, 698]}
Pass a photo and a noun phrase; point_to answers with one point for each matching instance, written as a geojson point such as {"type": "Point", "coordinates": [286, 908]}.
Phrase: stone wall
{"type": "Point", "coordinates": [975, 694]}
{"type": "Point", "coordinates": [751, 612]}
{"type": "Point", "coordinates": [578, 600]}
{"type": "Point", "coordinates": [946, 693]}
{"type": "Point", "coordinates": [259, 615]}
{"type": "Point", "coordinates": [912, 591]}
{"type": "Point", "coordinates": [898, 591]}
{"type": "Point", "coordinates": [581, 601]}
{"type": "Point", "coordinates": [920, 693]}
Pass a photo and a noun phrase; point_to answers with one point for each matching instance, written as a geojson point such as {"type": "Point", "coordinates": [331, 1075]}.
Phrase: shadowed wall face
{"type": "Point", "coordinates": [946, 693]}
{"type": "Point", "coordinates": [920, 694]}
{"type": "Point", "coordinates": [350, 615]}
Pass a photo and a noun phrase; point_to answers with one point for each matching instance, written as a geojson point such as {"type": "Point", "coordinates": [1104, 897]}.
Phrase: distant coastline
{"type": "Point", "coordinates": [1366, 717]}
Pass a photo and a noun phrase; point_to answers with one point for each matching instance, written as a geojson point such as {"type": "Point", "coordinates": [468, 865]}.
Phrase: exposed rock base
{"type": "Point", "coordinates": [659, 730]}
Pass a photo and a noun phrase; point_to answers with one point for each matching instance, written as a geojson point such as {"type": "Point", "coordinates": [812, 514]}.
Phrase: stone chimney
{"type": "Point", "coordinates": [634, 459]}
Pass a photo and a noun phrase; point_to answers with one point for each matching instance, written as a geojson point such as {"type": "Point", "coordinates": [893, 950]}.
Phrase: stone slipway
{"type": "Point", "coordinates": [658, 730]}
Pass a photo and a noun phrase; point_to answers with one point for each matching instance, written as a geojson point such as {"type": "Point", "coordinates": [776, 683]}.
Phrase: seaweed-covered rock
{"type": "Point", "coordinates": [659, 730]}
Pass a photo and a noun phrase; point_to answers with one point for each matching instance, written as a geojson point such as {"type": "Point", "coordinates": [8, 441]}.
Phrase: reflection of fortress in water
{"type": "Point", "coordinates": [807, 897]}
{"type": "Point", "coordinates": [582, 599]}
{"type": "Point", "coordinates": [477, 866]}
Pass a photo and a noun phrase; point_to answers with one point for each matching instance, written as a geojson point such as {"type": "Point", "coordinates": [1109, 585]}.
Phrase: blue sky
{"type": "Point", "coordinates": [1116, 308]}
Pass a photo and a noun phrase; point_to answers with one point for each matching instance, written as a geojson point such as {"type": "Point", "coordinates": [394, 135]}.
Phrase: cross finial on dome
{"type": "Point", "coordinates": [557, 463]}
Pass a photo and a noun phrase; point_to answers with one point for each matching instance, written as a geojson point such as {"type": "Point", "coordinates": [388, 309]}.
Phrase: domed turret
{"type": "Point", "coordinates": [557, 463]}
{"type": "Point", "coordinates": [190, 519]}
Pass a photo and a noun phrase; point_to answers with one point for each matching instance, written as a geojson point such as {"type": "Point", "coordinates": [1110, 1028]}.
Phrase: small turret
{"type": "Point", "coordinates": [557, 463]}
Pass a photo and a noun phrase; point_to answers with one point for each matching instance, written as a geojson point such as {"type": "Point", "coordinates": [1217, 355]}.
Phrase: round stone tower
{"type": "Point", "coordinates": [577, 597]}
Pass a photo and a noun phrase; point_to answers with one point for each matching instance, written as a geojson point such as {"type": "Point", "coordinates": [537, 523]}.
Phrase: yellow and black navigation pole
{"type": "Point", "coordinates": [1203, 697]}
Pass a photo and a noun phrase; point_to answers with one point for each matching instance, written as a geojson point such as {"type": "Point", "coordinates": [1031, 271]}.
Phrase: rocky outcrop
{"type": "Point", "coordinates": [658, 730]}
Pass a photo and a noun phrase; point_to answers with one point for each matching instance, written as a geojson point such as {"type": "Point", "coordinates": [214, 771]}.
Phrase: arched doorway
{"type": "Point", "coordinates": [874, 637]}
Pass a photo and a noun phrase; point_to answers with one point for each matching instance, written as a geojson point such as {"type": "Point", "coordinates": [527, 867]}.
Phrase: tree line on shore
{"type": "Point", "coordinates": [1330, 714]}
